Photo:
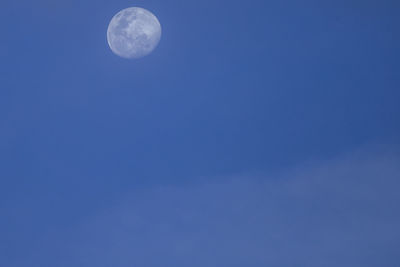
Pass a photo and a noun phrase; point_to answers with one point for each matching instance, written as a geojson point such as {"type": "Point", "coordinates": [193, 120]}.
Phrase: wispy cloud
{"type": "Point", "coordinates": [342, 212]}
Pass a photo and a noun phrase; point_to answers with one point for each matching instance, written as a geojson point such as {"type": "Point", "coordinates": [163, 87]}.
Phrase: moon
{"type": "Point", "coordinates": [133, 33]}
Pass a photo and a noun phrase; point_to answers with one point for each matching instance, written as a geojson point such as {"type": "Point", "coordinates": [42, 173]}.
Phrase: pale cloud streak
{"type": "Point", "coordinates": [341, 212]}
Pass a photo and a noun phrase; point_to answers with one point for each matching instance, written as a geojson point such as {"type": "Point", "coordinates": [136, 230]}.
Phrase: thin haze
{"type": "Point", "coordinates": [341, 212]}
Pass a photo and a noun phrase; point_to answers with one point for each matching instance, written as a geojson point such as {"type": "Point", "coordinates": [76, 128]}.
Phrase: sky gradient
{"type": "Point", "coordinates": [246, 118]}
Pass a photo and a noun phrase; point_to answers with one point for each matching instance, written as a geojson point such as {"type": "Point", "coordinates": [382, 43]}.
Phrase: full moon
{"type": "Point", "coordinates": [133, 33]}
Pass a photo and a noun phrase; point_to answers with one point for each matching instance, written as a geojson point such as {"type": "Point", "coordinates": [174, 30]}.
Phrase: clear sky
{"type": "Point", "coordinates": [258, 133]}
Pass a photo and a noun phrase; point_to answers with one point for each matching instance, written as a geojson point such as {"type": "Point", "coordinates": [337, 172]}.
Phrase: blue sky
{"type": "Point", "coordinates": [238, 98]}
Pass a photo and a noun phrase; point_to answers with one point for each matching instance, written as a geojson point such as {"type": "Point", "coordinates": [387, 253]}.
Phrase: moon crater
{"type": "Point", "coordinates": [133, 33]}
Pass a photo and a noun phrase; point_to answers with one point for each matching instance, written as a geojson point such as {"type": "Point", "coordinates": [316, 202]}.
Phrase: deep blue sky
{"type": "Point", "coordinates": [234, 87]}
